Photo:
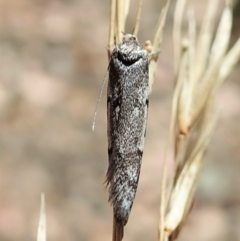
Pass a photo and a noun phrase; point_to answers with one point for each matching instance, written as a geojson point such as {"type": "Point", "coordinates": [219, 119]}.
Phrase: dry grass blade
{"type": "Point", "coordinates": [219, 48]}
{"type": "Point", "coordinates": [118, 15]}
{"type": "Point", "coordinates": [186, 77]}
{"type": "Point", "coordinates": [122, 12]}
{"type": "Point", "coordinates": [184, 99]}
{"type": "Point", "coordinates": [180, 195]}
{"type": "Point", "coordinates": [111, 43]}
{"type": "Point", "coordinates": [203, 95]}
{"type": "Point", "coordinates": [121, 18]}
{"type": "Point", "coordinates": [42, 228]}
{"type": "Point", "coordinates": [156, 46]}
{"type": "Point", "coordinates": [230, 60]}
{"type": "Point", "coordinates": [185, 185]}
{"type": "Point", "coordinates": [178, 14]}
{"type": "Point", "coordinates": [198, 78]}
{"type": "Point", "coordinates": [166, 185]}
{"type": "Point", "coordinates": [205, 38]}
{"type": "Point", "coordinates": [192, 47]}
{"type": "Point", "coordinates": [137, 24]}
{"type": "Point", "coordinates": [222, 38]}
{"type": "Point", "coordinates": [164, 197]}
{"type": "Point", "coordinates": [158, 35]}
{"type": "Point", "coordinates": [178, 87]}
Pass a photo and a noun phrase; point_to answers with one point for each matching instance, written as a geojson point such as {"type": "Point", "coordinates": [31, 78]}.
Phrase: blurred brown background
{"type": "Point", "coordinates": [52, 61]}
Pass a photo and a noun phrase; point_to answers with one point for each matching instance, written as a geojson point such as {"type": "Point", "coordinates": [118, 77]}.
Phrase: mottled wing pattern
{"type": "Point", "coordinates": [127, 107]}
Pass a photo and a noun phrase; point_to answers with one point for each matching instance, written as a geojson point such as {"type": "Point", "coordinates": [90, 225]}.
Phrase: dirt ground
{"type": "Point", "coordinates": [53, 58]}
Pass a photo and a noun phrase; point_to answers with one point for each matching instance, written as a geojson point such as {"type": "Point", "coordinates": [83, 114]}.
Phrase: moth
{"type": "Point", "coordinates": [127, 110]}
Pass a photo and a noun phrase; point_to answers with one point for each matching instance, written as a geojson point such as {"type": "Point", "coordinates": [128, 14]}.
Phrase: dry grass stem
{"type": "Point", "coordinates": [137, 24]}
{"type": "Point", "coordinates": [42, 228]}
{"type": "Point", "coordinates": [111, 42]}
{"type": "Point", "coordinates": [178, 15]}
{"type": "Point", "coordinates": [201, 67]}
{"type": "Point", "coordinates": [220, 44]}
{"type": "Point", "coordinates": [164, 196]}
{"type": "Point", "coordinates": [118, 15]}
{"type": "Point", "coordinates": [192, 46]}
{"type": "Point", "coordinates": [230, 60]}
{"type": "Point", "coordinates": [205, 38]}
{"type": "Point", "coordinates": [156, 44]}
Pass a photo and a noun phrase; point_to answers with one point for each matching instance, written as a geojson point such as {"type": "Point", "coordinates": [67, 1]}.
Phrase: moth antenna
{"type": "Point", "coordinates": [123, 33]}
{"type": "Point", "coordinates": [100, 96]}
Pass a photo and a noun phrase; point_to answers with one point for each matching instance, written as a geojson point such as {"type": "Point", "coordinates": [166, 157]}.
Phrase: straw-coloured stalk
{"type": "Point", "coordinates": [230, 60]}
{"type": "Point", "coordinates": [42, 228]}
{"type": "Point", "coordinates": [118, 15]}
{"type": "Point", "coordinates": [177, 31]}
{"type": "Point", "coordinates": [202, 65]}
{"type": "Point", "coordinates": [205, 38]}
{"type": "Point", "coordinates": [137, 24]}
{"type": "Point", "coordinates": [155, 48]}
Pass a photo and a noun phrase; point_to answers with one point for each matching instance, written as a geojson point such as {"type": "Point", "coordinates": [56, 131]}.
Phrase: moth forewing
{"type": "Point", "coordinates": [127, 108]}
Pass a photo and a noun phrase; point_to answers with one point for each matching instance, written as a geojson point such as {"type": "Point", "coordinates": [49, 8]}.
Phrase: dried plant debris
{"type": "Point", "coordinates": [42, 228]}
{"type": "Point", "coordinates": [201, 66]}
{"type": "Point", "coordinates": [156, 45]}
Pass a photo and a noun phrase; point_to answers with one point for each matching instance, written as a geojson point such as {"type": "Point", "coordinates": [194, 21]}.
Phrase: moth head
{"type": "Point", "coordinates": [129, 51]}
{"type": "Point", "coordinates": [129, 38]}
